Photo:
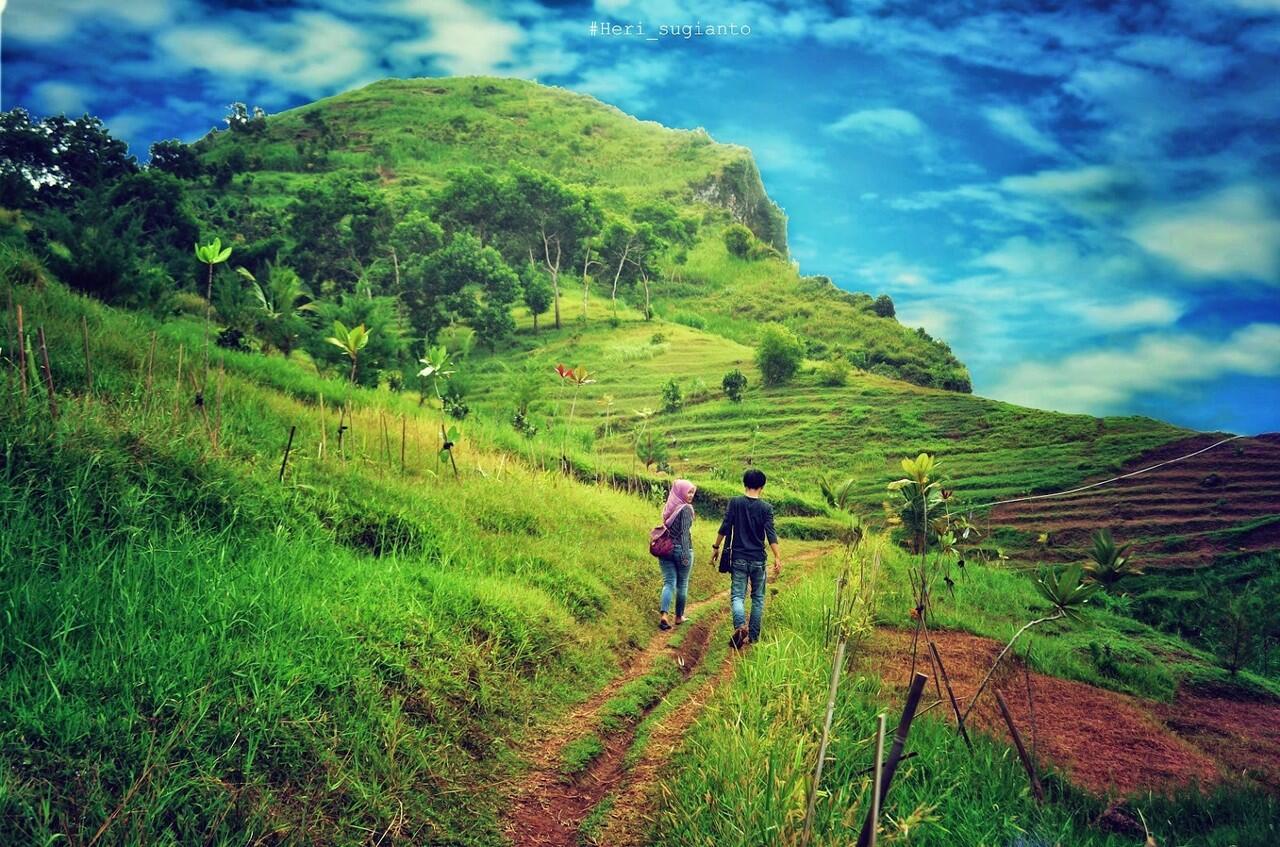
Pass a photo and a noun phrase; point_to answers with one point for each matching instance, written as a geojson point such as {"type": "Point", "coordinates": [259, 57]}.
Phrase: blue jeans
{"type": "Point", "coordinates": [675, 580]}
{"type": "Point", "coordinates": [741, 574]}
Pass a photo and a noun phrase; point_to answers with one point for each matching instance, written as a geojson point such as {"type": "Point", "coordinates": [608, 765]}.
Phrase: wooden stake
{"type": "Point", "coordinates": [386, 438]}
{"type": "Point", "coordinates": [48, 374]}
{"type": "Point", "coordinates": [323, 427]}
{"type": "Point", "coordinates": [287, 447]}
{"type": "Point", "coordinates": [955, 704]}
{"type": "Point", "coordinates": [151, 361]}
{"type": "Point", "coordinates": [1036, 788]}
{"type": "Point", "coordinates": [877, 779]}
{"type": "Point", "coordinates": [404, 425]}
{"type": "Point", "coordinates": [88, 365]}
{"type": "Point", "coordinates": [177, 385]}
{"type": "Point", "coordinates": [895, 752]}
{"type": "Point", "coordinates": [822, 746]}
{"type": "Point", "coordinates": [22, 355]}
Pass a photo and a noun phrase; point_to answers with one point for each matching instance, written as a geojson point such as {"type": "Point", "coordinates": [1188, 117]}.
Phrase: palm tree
{"type": "Point", "coordinates": [284, 299]}
{"type": "Point", "coordinates": [1109, 562]}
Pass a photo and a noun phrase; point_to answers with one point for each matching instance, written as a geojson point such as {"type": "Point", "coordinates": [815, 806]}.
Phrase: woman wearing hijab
{"type": "Point", "coordinates": [677, 517]}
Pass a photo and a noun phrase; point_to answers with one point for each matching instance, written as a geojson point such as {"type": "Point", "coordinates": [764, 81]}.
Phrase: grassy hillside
{"type": "Point", "coordinates": [408, 138]}
{"type": "Point", "coordinates": [194, 651]}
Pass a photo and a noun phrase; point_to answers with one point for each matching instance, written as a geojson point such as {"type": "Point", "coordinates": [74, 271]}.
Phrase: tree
{"type": "Point", "coordinates": [241, 121]}
{"type": "Point", "coordinates": [466, 281]}
{"type": "Point", "coordinates": [615, 245]}
{"type": "Point", "coordinates": [672, 396]}
{"type": "Point", "coordinates": [349, 341]}
{"type": "Point", "coordinates": [738, 240]}
{"type": "Point", "coordinates": [537, 293]}
{"type": "Point", "coordinates": [778, 355]}
{"type": "Point", "coordinates": [174, 157]}
{"type": "Point", "coordinates": [337, 227]}
{"type": "Point", "coordinates": [473, 201]}
{"type": "Point", "coordinates": [554, 221]}
{"type": "Point", "coordinates": [283, 302]}
{"type": "Point", "coordinates": [57, 160]}
{"type": "Point", "coordinates": [883, 306]}
{"type": "Point", "coordinates": [386, 348]}
{"type": "Point", "coordinates": [734, 383]}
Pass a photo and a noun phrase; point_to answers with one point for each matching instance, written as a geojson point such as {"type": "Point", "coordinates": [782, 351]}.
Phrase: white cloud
{"type": "Point", "coordinates": [53, 20]}
{"type": "Point", "coordinates": [1013, 123]}
{"type": "Point", "coordinates": [1089, 191]}
{"type": "Point", "coordinates": [1232, 233]}
{"type": "Point", "coordinates": [1151, 311]}
{"type": "Point", "coordinates": [1060, 262]}
{"type": "Point", "coordinates": [1188, 58]}
{"type": "Point", "coordinates": [56, 97]}
{"type": "Point", "coordinates": [310, 52]}
{"type": "Point", "coordinates": [629, 83]}
{"type": "Point", "coordinates": [462, 39]}
{"type": "Point", "coordinates": [1105, 381]}
{"type": "Point", "coordinates": [885, 124]}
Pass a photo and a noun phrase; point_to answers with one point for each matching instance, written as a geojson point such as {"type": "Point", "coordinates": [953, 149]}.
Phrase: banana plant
{"type": "Point", "coordinates": [1109, 562]}
{"type": "Point", "coordinates": [439, 366]}
{"type": "Point", "coordinates": [211, 255]}
{"type": "Point", "coordinates": [279, 300]}
{"type": "Point", "coordinates": [350, 341]}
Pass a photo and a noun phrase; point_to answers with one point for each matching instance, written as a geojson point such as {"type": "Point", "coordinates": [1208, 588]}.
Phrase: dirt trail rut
{"type": "Point", "coordinates": [549, 807]}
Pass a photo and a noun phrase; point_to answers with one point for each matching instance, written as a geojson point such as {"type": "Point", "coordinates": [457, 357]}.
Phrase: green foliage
{"type": "Point", "coordinates": [672, 396]}
{"type": "Point", "coordinates": [1108, 562]}
{"type": "Point", "coordinates": [738, 240]}
{"type": "Point", "coordinates": [778, 355]}
{"type": "Point", "coordinates": [537, 293]}
{"type": "Point", "coordinates": [734, 383]}
{"type": "Point", "coordinates": [578, 754]}
{"type": "Point", "coordinates": [834, 373]}
{"type": "Point", "coordinates": [174, 157]}
{"type": "Point", "coordinates": [385, 344]}
{"type": "Point", "coordinates": [651, 449]}
{"type": "Point", "coordinates": [883, 306]}
{"type": "Point", "coordinates": [466, 281]}
{"type": "Point", "coordinates": [1066, 590]}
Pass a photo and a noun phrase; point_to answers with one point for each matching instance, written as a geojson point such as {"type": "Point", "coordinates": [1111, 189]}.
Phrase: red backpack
{"type": "Point", "coordinates": [661, 543]}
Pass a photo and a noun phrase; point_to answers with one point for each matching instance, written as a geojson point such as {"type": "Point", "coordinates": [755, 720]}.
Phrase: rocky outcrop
{"type": "Point", "coordinates": [738, 189]}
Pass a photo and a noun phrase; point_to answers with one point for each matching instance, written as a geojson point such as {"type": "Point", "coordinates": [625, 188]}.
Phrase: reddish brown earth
{"type": "Point", "coordinates": [1105, 742]}
{"type": "Point", "coordinates": [1226, 487]}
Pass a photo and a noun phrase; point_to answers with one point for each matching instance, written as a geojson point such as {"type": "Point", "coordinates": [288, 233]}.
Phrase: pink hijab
{"type": "Point", "coordinates": [681, 491]}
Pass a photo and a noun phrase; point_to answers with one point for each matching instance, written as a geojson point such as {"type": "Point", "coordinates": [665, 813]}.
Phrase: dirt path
{"type": "Point", "coordinates": [549, 807]}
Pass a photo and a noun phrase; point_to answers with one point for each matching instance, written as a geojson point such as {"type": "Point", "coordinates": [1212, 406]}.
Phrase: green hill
{"type": "Point", "coordinates": [407, 139]}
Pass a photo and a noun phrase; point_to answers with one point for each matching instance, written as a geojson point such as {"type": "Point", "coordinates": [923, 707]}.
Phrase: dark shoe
{"type": "Point", "coordinates": [739, 640]}
{"type": "Point", "coordinates": [662, 624]}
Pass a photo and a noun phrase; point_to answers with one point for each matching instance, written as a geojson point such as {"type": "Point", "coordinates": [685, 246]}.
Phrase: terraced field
{"type": "Point", "coordinates": [989, 450]}
{"type": "Point", "coordinates": [1224, 501]}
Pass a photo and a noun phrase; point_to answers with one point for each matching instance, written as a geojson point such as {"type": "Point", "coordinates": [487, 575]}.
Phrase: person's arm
{"type": "Point", "coordinates": [772, 536]}
{"type": "Point", "coordinates": [722, 534]}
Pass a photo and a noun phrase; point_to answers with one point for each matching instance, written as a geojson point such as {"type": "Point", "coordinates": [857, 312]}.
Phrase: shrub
{"type": "Point", "coordinates": [690, 320]}
{"type": "Point", "coordinates": [738, 240]}
{"type": "Point", "coordinates": [834, 373]}
{"type": "Point", "coordinates": [883, 306]}
{"type": "Point", "coordinates": [672, 397]}
{"type": "Point", "coordinates": [779, 354]}
{"type": "Point", "coordinates": [733, 384]}
{"type": "Point", "coordinates": [658, 338]}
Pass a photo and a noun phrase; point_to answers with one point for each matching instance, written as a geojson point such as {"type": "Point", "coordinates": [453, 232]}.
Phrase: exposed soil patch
{"type": "Point", "coordinates": [1105, 742]}
{"type": "Point", "coordinates": [1243, 735]}
{"type": "Point", "coordinates": [1230, 485]}
{"type": "Point", "coordinates": [549, 808]}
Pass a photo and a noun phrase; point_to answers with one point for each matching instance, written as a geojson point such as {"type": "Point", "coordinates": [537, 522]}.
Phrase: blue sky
{"type": "Point", "coordinates": [1084, 201]}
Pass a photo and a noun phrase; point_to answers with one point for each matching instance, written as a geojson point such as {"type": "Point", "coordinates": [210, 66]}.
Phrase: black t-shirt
{"type": "Point", "coordinates": [750, 520]}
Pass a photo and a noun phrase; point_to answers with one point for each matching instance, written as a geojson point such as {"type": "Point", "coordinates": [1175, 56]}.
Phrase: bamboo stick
{"type": "Point", "coordinates": [955, 704]}
{"type": "Point", "coordinates": [48, 375]}
{"type": "Point", "coordinates": [1036, 788]}
{"type": "Point", "coordinates": [22, 355]}
{"type": "Point", "coordinates": [895, 752]}
{"type": "Point", "coordinates": [88, 364]}
{"type": "Point", "coordinates": [822, 746]}
{"type": "Point", "coordinates": [877, 780]}
{"type": "Point", "coordinates": [287, 447]}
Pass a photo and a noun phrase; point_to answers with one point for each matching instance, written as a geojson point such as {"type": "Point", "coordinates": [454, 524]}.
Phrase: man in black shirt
{"type": "Point", "coordinates": [748, 524]}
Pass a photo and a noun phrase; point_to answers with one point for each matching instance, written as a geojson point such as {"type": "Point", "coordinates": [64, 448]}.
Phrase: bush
{"type": "Point", "coordinates": [779, 354]}
{"type": "Point", "coordinates": [738, 240]}
{"type": "Point", "coordinates": [883, 306]}
{"type": "Point", "coordinates": [834, 373]}
{"type": "Point", "coordinates": [672, 397]}
{"type": "Point", "coordinates": [690, 320]}
{"type": "Point", "coordinates": [658, 338]}
{"type": "Point", "coordinates": [733, 384]}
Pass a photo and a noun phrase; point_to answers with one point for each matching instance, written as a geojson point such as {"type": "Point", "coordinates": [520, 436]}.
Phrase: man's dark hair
{"type": "Point", "coordinates": [753, 479]}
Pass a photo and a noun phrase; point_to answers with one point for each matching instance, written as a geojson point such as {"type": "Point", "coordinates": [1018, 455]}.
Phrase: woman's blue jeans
{"type": "Point", "coordinates": [742, 573]}
{"type": "Point", "coordinates": [675, 580]}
